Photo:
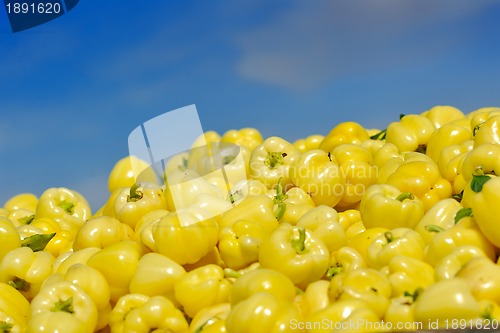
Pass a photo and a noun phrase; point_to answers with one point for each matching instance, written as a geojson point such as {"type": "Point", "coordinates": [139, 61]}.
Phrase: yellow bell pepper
{"type": "Point", "coordinates": [484, 159]}
{"type": "Point", "coordinates": [295, 252]}
{"type": "Point", "coordinates": [323, 222]}
{"type": "Point", "coordinates": [449, 134]}
{"type": "Point", "coordinates": [262, 312]}
{"type": "Point", "coordinates": [21, 216]}
{"type": "Point", "coordinates": [63, 204]}
{"type": "Point", "coordinates": [384, 205]}
{"type": "Point", "coordinates": [407, 274]}
{"type": "Point", "coordinates": [143, 232]}
{"type": "Point", "coordinates": [440, 216]}
{"type": "Point", "coordinates": [418, 174]}
{"type": "Point", "coordinates": [318, 173]}
{"type": "Point", "coordinates": [14, 309]}
{"type": "Point", "coordinates": [22, 201]}
{"type": "Point", "coordinates": [345, 132]}
{"type": "Point", "coordinates": [271, 160]}
{"type": "Point", "coordinates": [156, 274]}
{"type": "Point", "coordinates": [25, 270]}
{"type": "Point", "coordinates": [464, 232]}
{"type": "Point", "coordinates": [482, 196]}
{"type": "Point", "coordinates": [101, 232]}
{"type": "Point", "coordinates": [350, 220]}
{"type": "Point", "coordinates": [202, 287]}
{"type": "Point", "coordinates": [344, 260]}
{"type": "Point", "coordinates": [117, 263]}
{"type": "Point", "coordinates": [141, 313]}
{"type": "Point", "coordinates": [291, 206]}
{"type": "Point", "coordinates": [483, 276]}
{"type": "Point", "coordinates": [480, 116]}
{"type": "Point", "coordinates": [450, 164]}
{"type": "Point", "coordinates": [67, 259]}
{"type": "Point", "coordinates": [446, 303]}
{"type": "Point", "coordinates": [364, 284]}
{"type": "Point", "coordinates": [346, 315]}
{"type": "Point", "coordinates": [135, 201]}
{"type": "Point", "coordinates": [399, 241]}
{"type": "Point", "coordinates": [91, 282]}
{"type": "Point", "coordinates": [58, 321]}
{"type": "Point", "coordinates": [239, 243]}
{"type": "Point", "coordinates": [399, 315]}
{"type": "Point", "coordinates": [361, 241]}
{"type": "Point", "coordinates": [262, 280]}
{"type": "Point", "coordinates": [125, 172]}
{"type": "Point", "coordinates": [253, 208]}
{"type": "Point", "coordinates": [65, 296]}
{"type": "Point", "coordinates": [62, 240]}
{"type": "Point", "coordinates": [211, 319]}
{"type": "Point", "coordinates": [488, 132]}
{"type": "Point", "coordinates": [247, 137]}
{"type": "Point", "coordinates": [309, 143]}
{"type": "Point", "coordinates": [186, 235]}
{"type": "Point", "coordinates": [440, 115]}
{"type": "Point", "coordinates": [411, 133]}
{"type": "Point", "coordinates": [449, 266]}
{"type": "Point", "coordinates": [9, 238]}
{"type": "Point", "coordinates": [213, 257]}
{"type": "Point", "coordinates": [356, 165]}
{"type": "Point", "coordinates": [315, 297]}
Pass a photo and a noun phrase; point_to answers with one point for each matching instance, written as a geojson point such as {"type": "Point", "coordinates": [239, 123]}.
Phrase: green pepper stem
{"type": "Point", "coordinates": [135, 194]}
{"type": "Point", "coordinates": [67, 206]}
{"type": "Point", "coordinates": [463, 212]}
{"type": "Point", "coordinates": [405, 195]}
{"type": "Point", "coordinates": [274, 159]}
{"type": "Point", "coordinates": [64, 306]}
{"type": "Point", "coordinates": [333, 270]}
{"type": "Point", "coordinates": [5, 327]}
{"type": "Point", "coordinates": [433, 228]}
{"type": "Point", "coordinates": [478, 181]}
{"type": "Point", "coordinates": [20, 284]}
{"type": "Point", "coordinates": [27, 219]}
{"type": "Point", "coordinates": [37, 242]}
{"type": "Point", "coordinates": [299, 244]}
{"type": "Point", "coordinates": [231, 273]}
{"type": "Point", "coordinates": [379, 136]}
{"type": "Point", "coordinates": [388, 236]}
{"type": "Point", "coordinates": [487, 313]}
{"type": "Point", "coordinates": [416, 293]}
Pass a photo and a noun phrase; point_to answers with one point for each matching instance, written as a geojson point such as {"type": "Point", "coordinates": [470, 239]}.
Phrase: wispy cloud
{"type": "Point", "coordinates": [313, 42]}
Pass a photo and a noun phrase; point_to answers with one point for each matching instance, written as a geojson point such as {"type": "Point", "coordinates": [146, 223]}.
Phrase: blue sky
{"type": "Point", "coordinates": [73, 89]}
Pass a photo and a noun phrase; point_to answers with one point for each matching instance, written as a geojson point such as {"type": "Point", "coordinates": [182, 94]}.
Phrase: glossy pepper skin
{"type": "Point", "coordinates": [211, 319]}
{"type": "Point", "coordinates": [156, 274]}
{"type": "Point", "coordinates": [154, 314]}
{"type": "Point", "coordinates": [385, 206]}
{"type": "Point", "coordinates": [483, 276]}
{"type": "Point", "coordinates": [309, 143]}
{"type": "Point", "coordinates": [66, 297]}
{"type": "Point", "coordinates": [254, 208]}
{"type": "Point", "coordinates": [22, 201]}
{"type": "Point", "coordinates": [408, 274]}
{"type": "Point", "coordinates": [63, 204]}
{"type": "Point", "coordinates": [481, 159]}
{"type": "Point", "coordinates": [318, 174]}
{"type": "Point", "coordinates": [239, 243]}
{"type": "Point", "coordinates": [125, 172]}
{"type": "Point", "coordinates": [410, 133]}
{"type": "Point", "coordinates": [185, 236]}
{"type": "Point", "coordinates": [262, 280]}
{"type": "Point", "coordinates": [9, 237]}
{"type": "Point", "coordinates": [295, 252]}
{"type": "Point", "coordinates": [449, 134]}
{"type": "Point", "coordinates": [356, 165]}
{"type": "Point", "coordinates": [117, 263]}
{"type": "Point", "coordinates": [399, 241]}
{"type": "Point", "coordinates": [482, 196]}
{"type": "Point", "coordinates": [262, 312]}
{"type": "Point", "coordinates": [133, 202]}
{"type": "Point", "coordinates": [248, 137]}
{"type": "Point", "coordinates": [315, 297]}
{"type": "Point", "coordinates": [464, 232]}
{"type": "Point", "coordinates": [345, 132]}
{"type": "Point", "coordinates": [14, 309]}
{"type": "Point", "coordinates": [202, 287]}
{"type": "Point", "coordinates": [323, 222]}
{"type": "Point", "coordinates": [271, 160]}
{"type": "Point", "coordinates": [446, 300]}
{"type": "Point", "coordinates": [440, 115]}
{"type": "Point", "coordinates": [101, 232]}
{"type": "Point", "coordinates": [450, 164]}
{"type": "Point", "coordinates": [344, 260]}
{"type": "Point", "coordinates": [26, 270]}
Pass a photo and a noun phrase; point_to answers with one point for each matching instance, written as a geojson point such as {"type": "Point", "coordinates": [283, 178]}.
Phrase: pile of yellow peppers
{"type": "Point", "coordinates": [356, 230]}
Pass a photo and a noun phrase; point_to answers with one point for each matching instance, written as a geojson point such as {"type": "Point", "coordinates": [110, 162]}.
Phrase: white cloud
{"type": "Point", "coordinates": [315, 41]}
